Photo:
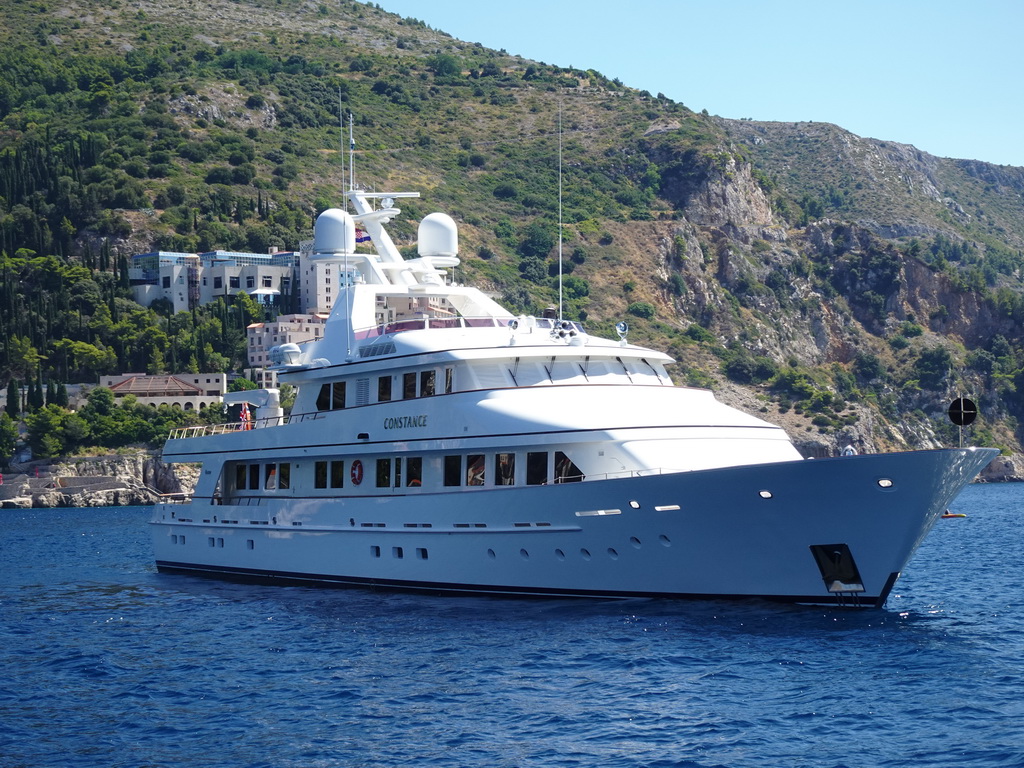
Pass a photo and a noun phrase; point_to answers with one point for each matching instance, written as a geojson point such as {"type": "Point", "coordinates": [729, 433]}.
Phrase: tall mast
{"type": "Point", "coordinates": [559, 210]}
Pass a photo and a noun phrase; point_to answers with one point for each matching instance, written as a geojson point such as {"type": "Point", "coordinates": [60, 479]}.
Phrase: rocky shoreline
{"type": "Point", "coordinates": [94, 481]}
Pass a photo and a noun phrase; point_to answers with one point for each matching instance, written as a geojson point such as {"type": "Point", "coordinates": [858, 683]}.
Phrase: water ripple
{"type": "Point", "coordinates": [109, 664]}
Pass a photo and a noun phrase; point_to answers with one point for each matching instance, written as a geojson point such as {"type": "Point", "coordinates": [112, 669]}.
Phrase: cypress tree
{"type": "Point", "coordinates": [61, 397]}
{"type": "Point", "coordinates": [13, 406]}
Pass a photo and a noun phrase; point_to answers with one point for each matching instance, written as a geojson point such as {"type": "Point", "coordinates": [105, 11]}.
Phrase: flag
{"type": "Point", "coordinates": [361, 236]}
{"type": "Point", "coordinates": [245, 416]}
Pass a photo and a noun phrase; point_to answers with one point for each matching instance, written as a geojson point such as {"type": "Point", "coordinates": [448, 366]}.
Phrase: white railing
{"type": "Point", "coordinates": [204, 430]}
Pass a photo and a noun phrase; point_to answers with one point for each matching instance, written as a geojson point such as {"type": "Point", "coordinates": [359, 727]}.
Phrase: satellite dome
{"type": "Point", "coordinates": [438, 236]}
{"type": "Point", "coordinates": [334, 232]}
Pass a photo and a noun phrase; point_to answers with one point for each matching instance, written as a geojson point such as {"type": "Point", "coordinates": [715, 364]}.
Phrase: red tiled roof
{"type": "Point", "coordinates": [156, 386]}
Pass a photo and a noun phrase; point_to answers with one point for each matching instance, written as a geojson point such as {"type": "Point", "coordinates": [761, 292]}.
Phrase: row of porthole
{"type": "Point", "coordinates": [585, 553]}
{"type": "Point", "coordinates": [885, 483]}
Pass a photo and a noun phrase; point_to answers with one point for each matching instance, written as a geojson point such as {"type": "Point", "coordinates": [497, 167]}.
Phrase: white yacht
{"type": "Point", "coordinates": [440, 443]}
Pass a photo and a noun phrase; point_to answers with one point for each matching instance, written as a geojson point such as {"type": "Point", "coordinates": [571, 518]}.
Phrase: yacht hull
{"type": "Point", "coordinates": [825, 531]}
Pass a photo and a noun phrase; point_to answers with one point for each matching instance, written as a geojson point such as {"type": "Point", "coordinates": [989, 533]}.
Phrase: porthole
{"type": "Point", "coordinates": [524, 554]}
{"type": "Point", "coordinates": [634, 504]}
{"type": "Point", "coordinates": [634, 541]}
{"type": "Point", "coordinates": [765, 494]}
{"type": "Point", "coordinates": [490, 554]}
{"type": "Point", "coordinates": [250, 544]}
{"type": "Point", "coordinates": [885, 483]}
{"type": "Point", "coordinates": [664, 540]}
{"type": "Point", "coordinates": [560, 554]}
{"type": "Point", "coordinates": [613, 554]}
{"type": "Point", "coordinates": [421, 553]}
{"type": "Point", "coordinates": [585, 553]}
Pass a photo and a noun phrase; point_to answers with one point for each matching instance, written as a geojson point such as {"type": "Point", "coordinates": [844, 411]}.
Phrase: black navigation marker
{"type": "Point", "coordinates": [962, 411]}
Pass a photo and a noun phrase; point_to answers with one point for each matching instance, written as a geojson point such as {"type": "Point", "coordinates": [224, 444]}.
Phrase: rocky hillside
{"type": "Point", "coordinates": [848, 288]}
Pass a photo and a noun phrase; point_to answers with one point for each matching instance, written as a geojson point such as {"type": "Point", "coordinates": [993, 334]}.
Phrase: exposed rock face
{"type": "Point", "coordinates": [100, 481]}
{"type": "Point", "coordinates": [730, 198]}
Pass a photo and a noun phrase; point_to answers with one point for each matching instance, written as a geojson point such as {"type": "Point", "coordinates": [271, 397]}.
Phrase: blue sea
{"type": "Point", "coordinates": [107, 663]}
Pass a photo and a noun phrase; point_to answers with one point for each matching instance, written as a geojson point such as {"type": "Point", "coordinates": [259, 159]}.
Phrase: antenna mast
{"type": "Point", "coordinates": [559, 210]}
{"type": "Point", "coordinates": [341, 133]}
{"type": "Point", "coordinates": [351, 155]}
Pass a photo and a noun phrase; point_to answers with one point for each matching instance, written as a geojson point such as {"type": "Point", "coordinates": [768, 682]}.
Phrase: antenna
{"type": "Point", "coordinates": [351, 155]}
{"type": "Point", "coordinates": [559, 209]}
{"type": "Point", "coordinates": [341, 133]}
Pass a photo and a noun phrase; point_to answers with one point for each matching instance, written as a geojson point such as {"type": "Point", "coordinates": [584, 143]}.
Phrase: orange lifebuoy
{"type": "Point", "coordinates": [356, 473]}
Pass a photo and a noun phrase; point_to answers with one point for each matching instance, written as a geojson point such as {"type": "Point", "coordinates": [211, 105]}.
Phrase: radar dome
{"type": "Point", "coordinates": [334, 232]}
{"type": "Point", "coordinates": [438, 236]}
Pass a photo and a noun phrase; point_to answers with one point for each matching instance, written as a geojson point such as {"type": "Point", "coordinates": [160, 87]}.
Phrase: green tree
{"type": "Point", "coordinates": [13, 407]}
{"type": "Point", "coordinates": [8, 437]}
{"type": "Point", "coordinates": [45, 432]}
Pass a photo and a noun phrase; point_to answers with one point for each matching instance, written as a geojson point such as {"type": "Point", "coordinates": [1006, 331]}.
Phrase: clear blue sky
{"type": "Point", "coordinates": [946, 76]}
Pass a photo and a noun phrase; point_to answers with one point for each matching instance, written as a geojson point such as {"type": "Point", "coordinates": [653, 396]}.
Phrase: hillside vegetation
{"type": "Point", "coordinates": [845, 287]}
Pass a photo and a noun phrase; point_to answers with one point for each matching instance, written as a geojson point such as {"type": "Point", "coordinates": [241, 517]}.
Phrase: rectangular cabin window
{"type": "Point", "coordinates": [453, 470]}
{"type": "Point", "coordinates": [427, 379]}
{"type": "Point", "coordinates": [337, 474]}
{"type": "Point", "coordinates": [323, 400]}
{"type": "Point", "coordinates": [338, 396]}
{"type": "Point", "coordinates": [414, 472]}
{"type": "Point", "coordinates": [270, 477]}
{"type": "Point", "coordinates": [384, 389]}
{"type": "Point", "coordinates": [284, 476]}
{"type": "Point", "coordinates": [320, 474]}
{"type": "Point", "coordinates": [254, 477]}
{"type": "Point", "coordinates": [504, 469]}
{"type": "Point", "coordinates": [537, 468]}
{"type": "Point", "coordinates": [239, 476]}
{"type": "Point", "coordinates": [408, 386]}
{"type": "Point", "coordinates": [449, 380]}
{"type": "Point", "coordinates": [383, 473]}
{"type": "Point", "coordinates": [475, 469]}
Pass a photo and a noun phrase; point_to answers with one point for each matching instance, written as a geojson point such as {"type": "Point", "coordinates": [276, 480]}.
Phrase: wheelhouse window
{"type": "Point", "coordinates": [320, 474]}
{"type": "Point", "coordinates": [284, 476]}
{"type": "Point", "coordinates": [408, 386]}
{"type": "Point", "coordinates": [254, 477]}
{"type": "Point", "coordinates": [240, 472]}
{"type": "Point", "coordinates": [270, 477]}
